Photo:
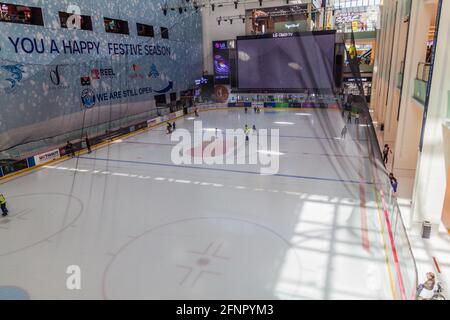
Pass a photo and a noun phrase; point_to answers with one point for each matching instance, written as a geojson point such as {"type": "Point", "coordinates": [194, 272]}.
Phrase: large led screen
{"type": "Point", "coordinates": [305, 61]}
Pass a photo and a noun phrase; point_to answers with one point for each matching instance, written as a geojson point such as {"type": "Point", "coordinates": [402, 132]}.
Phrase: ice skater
{"type": "Point", "coordinates": [3, 205]}
{"type": "Point", "coordinates": [247, 132]}
{"type": "Point", "coordinates": [349, 117]}
{"type": "Point", "coordinates": [169, 128]}
{"type": "Point", "coordinates": [254, 128]}
{"type": "Point", "coordinates": [196, 112]}
{"type": "Point", "coordinates": [174, 126]}
{"type": "Point", "coordinates": [246, 110]}
{"type": "Point", "coordinates": [344, 132]}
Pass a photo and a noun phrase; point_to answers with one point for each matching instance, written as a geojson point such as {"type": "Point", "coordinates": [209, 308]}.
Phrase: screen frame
{"type": "Point", "coordinates": [288, 35]}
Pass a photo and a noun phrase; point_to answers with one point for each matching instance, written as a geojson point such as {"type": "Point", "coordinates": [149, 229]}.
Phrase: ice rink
{"type": "Point", "coordinates": [140, 227]}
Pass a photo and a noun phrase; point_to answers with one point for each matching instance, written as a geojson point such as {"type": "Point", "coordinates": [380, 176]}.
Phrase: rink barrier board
{"type": "Point", "coordinates": [35, 164]}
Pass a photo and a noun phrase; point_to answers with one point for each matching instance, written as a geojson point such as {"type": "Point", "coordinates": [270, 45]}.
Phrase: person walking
{"type": "Point", "coordinates": [3, 205]}
{"type": "Point", "coordinates": [344, 132]}
{"type": "Point", "coordinates": [386, 151]}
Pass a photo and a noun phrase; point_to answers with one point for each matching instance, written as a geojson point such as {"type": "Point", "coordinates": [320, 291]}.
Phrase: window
{"type": "Point", "coordinates": [116, 26]}
{"type": "Point", "coordinates": [164, 33]}
{"type": "Point", "coordinates": [21, 14]}
{"type": "Point", "coordinates": [86, 22]}
{"type": "Point", "coordinates": [144, 30]}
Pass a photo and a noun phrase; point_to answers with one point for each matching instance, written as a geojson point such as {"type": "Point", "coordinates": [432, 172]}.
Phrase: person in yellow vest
{"type": "Point", "coordinates": [3, 205]}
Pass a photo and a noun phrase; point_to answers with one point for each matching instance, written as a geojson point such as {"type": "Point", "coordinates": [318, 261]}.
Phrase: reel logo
{"type": "Point", "coordinates": [88, 98]}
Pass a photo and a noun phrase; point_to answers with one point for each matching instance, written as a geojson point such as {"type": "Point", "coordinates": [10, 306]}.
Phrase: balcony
{"type": "Point", "coordinates": [421, 82]}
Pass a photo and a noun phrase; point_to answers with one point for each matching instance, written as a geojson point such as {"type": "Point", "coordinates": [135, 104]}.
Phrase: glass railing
{"type": "Point", "coordinates": [401, 261]}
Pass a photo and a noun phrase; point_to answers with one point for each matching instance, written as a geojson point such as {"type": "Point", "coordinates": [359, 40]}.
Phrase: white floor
{"type": "Point", "coordinates": [141, 228]}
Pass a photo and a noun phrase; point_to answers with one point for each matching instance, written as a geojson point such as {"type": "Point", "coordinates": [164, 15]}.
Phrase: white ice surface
{"type": "Point", "coordinates": [141, 228]}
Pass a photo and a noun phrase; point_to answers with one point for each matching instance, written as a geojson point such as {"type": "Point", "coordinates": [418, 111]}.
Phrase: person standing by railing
{"type": "Point", "coordinates": [394, 183]}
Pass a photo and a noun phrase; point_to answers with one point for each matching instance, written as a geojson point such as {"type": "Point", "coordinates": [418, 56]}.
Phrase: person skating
{"type": "Point", "coordinates": [174, 126]}
{"type": "Point", "coordinates": [349, 117]}
{"type": "Point", "coordinates": [3, 205]}
{"type": "Point", "coordinates": [246, 110]}
{"type": "Point", "coordinates": [344, 132]}
{"type": "Point", "coordinates": [169, 128]}
{"type": "Point", "coordinates": [247, 132]}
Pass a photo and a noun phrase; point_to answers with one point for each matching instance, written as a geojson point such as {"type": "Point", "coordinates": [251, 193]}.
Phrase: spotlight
{"type": "Point", "coordinates": [213, 6]}
{"type": "Point", "coordinates": [260, 3]}
{"type": "Point", "coordinates": [236, 4]}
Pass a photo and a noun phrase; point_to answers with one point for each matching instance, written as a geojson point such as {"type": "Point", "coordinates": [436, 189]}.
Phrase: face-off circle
{"type": "Point", "coordinates": [38, 217]}
{"type": "Point", "coordinates": [203, 258]}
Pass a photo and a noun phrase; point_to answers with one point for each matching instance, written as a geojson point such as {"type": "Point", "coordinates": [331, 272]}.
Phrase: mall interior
{"type": "Point", "coordinates": [128, 66]}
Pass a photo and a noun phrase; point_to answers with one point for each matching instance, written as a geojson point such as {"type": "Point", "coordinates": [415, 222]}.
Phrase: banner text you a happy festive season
{"type": "Point", "coordinates": [80, 47]}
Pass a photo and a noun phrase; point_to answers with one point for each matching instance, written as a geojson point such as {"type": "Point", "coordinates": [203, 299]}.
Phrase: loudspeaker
{"type": "Point", "coordinates": [338, 70]}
